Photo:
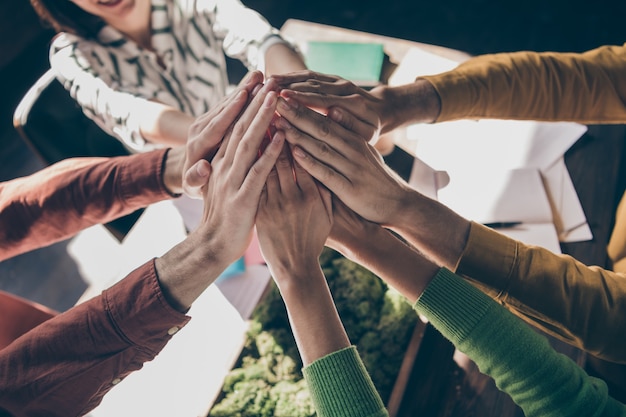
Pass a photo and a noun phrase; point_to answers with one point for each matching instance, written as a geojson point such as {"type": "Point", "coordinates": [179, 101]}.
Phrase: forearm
{"type": "Point", "coordinates": [332, 368]}
{"type": "Point", "coordinates": [391, 259]}
{"type": "Point", "coordinates": [585, 306]}
{"type": "Point", "coordinates": [188, 269]}
{"type": "Point", "coordinates": [59, 201]}
{"type": "Point", "coordinates": [162, 124]}
{"type": "Point", "coordinates": [523, 364]}
{"type": "Point", "coordinates": [133, 119]}
{"type": "Point", "coordinates": [341, 386]}
{"type": "Point", "coordinates": [411, 103]}
{"type": "Point", "coordinates": [281, 59]}
{"type": "Point", "coordinates": [66, 365]}
{"type": "Point", "coordinates": [587, 88]}
{"type": "Point", "coordinates": [432, 228]}
{"type": "Point", "coordinates": [315, 323]}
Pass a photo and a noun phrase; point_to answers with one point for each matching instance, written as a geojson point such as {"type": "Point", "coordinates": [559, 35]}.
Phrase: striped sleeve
{"type": "Point", "coordinates": [90, 72]}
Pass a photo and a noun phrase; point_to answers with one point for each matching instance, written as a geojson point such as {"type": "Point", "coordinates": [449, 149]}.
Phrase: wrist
{"type": "Point", "coordinates": [301, 282]}
{"type": "Point", "coordinates": [172, 171]}
{"type": "Point", "coordinates": [433, 228]}
{"type": "Point", "coordinates": [294, 273]}
{"type": "Point", "coordinates": [187, 269]}
{"type": "Point", "coordinates": [409, 211]}
{"type": "Point", "coordinates": [412, 103]}
{"type": "Point", "coordinates": [358, 242]}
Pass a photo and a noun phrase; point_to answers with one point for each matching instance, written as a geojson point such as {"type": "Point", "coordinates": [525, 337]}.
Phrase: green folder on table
{"type": "Point", "coordinates": [360, 63]}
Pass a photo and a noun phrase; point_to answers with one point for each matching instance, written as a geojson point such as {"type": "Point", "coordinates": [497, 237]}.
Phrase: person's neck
{"type": "Point", "coordinates": [141, 36]}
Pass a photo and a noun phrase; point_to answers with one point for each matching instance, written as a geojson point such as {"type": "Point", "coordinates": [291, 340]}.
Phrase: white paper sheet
{"type": "Point", "coordinates": [499, 144]}
{"type": "Point", "coordinates": [505, 144]}
{"type": "Point", "coordinates": [487, 196]}
{"type": "Point", "coordinates": [569, 217]}
{"type": "Point", "coordinates": [426, 180]}
{"type": "Point", "coordinates": [418, 62]}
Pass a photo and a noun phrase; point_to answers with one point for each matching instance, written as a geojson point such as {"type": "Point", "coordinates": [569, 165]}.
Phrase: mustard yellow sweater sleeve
{"type": "Point", "coordinates": [582, 305]}
{"type": "Point", "coordinates": [588, 88]}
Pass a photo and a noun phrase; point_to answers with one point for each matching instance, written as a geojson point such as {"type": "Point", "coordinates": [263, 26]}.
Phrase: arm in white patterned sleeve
{"type": "Point", "coordinates": [135, 120]}
{"type": "Point", "coordinates": [246, 34]}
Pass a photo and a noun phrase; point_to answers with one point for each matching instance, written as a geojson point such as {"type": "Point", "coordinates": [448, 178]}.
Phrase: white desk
{"type": "Point", "coordinates": [187, 376]}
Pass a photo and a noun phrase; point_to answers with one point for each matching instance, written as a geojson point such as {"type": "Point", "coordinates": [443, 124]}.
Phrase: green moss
{"type": "Point", "coordinates": [267, 380]}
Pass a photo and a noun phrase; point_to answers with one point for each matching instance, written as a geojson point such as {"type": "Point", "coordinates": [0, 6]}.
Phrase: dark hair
{"type": "Point", "coordinates": [65, 16]}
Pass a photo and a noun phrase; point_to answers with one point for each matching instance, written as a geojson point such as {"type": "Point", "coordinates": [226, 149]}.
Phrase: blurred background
{"type": "Point", "coordinates": [476, 27]}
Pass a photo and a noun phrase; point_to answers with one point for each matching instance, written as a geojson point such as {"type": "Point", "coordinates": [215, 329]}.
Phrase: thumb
{"type": "Point", "coordinates": [196, 177]}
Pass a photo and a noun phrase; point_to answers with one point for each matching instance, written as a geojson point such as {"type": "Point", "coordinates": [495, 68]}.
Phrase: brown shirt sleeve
{"type": "Point", "coordinates": [58, 201]}
{"type": "Point", "coordinates": [588, 88]}
{"type": "Point", "coordinates": [66, 365]}
{"type": "Point", "coordinates": [583, 305]}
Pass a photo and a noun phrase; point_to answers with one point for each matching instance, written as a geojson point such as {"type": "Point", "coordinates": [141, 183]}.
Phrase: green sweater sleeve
{"type": "Point", "coordinates": [522, 362]}
{"type": "Point", "coordinates": [585, 306]}
{"type": "Point", "coordinates": [341, 387]}
{"type": "Point", "coordinates": [588, 88]}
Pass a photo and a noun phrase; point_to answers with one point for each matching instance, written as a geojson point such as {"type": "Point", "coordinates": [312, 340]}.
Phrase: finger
{"type": "Point", "coordinates": [302, 76]}
{"type": "Point", "coordinates": [272, 185]}
{"type": "Point", "coordinates": [326, 141]}
{"type": "Point", "coordinates": [209, 130]}
{"type": "Point", "coordinates": [251, 79]}
{"type": "Point", "coordinates": [259, 172]}
{"type": "Point", "coordinates": [304, 180]}
{"type": "Point", "coordinates": [355, 104]}
{"type": "Point", "coordinates": [337, 87]}
{"type": "Point", "coordinates": [284, 169]}
{"type": "Point", "coordinates": [367, 129]}
{"type": "Point", "coordinates": [327, 199]}
{"type": "Point", "coordinates": [333, 180]}
{"type": "Point", "coordinates": [318, 149]}
{"type": "Point", "coordinates": [317, 126]}
{"type": "Point", "coordinates": [244, 125]}
{"type": "Point", "coordinates": [269, 195]}
{"type": "Point", "coordinates": [196, 177]}
{"type": "Point", "coordinates": [239, 98]}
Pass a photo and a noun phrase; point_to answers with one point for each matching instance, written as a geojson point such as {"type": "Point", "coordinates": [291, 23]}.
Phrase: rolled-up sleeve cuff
{"type": "Point", "coordinates": [340, 386]}
{"type": "Point", "coordinates": [137, 307]}
{"type": "Point", "coordinates": [141, 178]}
{"type": "Point", "coordinates": [455, 93]}
{"type": "Point", "coordinates": [489, 258]}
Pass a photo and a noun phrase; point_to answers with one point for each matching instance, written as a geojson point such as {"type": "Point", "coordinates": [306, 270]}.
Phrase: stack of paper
{"type": "Point", "coordinates": [514, 201]}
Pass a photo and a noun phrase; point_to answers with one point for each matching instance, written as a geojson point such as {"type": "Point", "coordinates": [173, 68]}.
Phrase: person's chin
{"type": "Point", "coordinates": [111, 4]}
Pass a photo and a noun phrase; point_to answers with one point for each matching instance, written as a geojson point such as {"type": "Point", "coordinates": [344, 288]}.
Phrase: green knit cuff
{"type": "Point", "coordinates": [452, 305]}
{"type": "Point", "coordinates": [341, 387]}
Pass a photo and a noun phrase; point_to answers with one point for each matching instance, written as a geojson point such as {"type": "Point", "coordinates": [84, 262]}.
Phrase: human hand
{"type": "Point", "coordinates": [351, 234]}
{"type": "Point", "coordinates": [231, 201]}
{"type": "Point", "coordinates": [343, 161]}
{"type": "Point", "coordinates": [207, 132]}
{"type": "Point", "coordinates": [388, 107]}
{"type": "Point", "coordinates": [325, 93]}
{"type": "Point", "coordinates": [239, 174]}
{"type": "Point", "coordinates": [294, 220]}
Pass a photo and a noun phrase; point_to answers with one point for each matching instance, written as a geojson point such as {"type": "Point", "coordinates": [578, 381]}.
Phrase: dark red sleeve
{"type": "Point", "coordinates": [59, 201]}
{"type": "Point", "coordinates": [66, 365]}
